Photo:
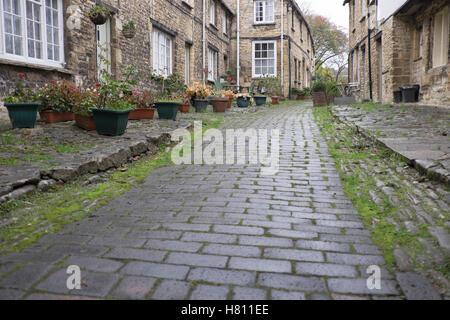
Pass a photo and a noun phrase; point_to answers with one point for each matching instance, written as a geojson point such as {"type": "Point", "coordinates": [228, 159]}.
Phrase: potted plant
{"type": "Point", "coordinates": [229, 76]}
{"type": "Point", "coordinates": [57, 101]}
{"type": "Point", "coordinates": [332, 91]}
{"type": "Point", "coordinates": [219, 101]}
{"type": "Point", "coordinates": [230, 96]}
{"type": "Point", "coordinates": [89, 98]}
{"type": "Point", "coordinates": [143, 103]}
{"type": "Point", "coordinates": [22, 105]}
{"type": "Point", "coordinates": [272, 86]}
{"type": "Point", "coordinates": [99, 14]}
{"type": "Point", "coordinates": [260, 100]}
{"type": "Point", "coordinates": [199, 94]}
{"type": "Point", "coordinates": [167, 106]}
{"type": "Point", "coordinates": [111, 118]}
{"type": "Point", "coordinates": [185, 104]}
{"type": "Point", "coordinates": [319, 93]}
{"type": "Point", "coordinates": [129, 30]}
{"type": "Point", "coordinates": [243, 100]}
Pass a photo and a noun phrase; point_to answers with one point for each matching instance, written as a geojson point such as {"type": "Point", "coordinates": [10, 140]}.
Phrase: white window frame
{"type": "Point", "coordinates": [265, 17]}
{"type": "Point", "coordinates": [363, 8]}
{"type": "Point", "coordinates": [161, 61]}
{"type": "Point", "coordinates": [213, 59]}
{"type": "Point", "coordinates": [440, 38]}
{"type": "Point", "coordinates": [254, 74]}
{"type": "Point", "coordinates": [225, 23]}
{"type": "Point", "coordinates": [212, 12]}
{"type": "Point", "coordinates": [44, 61]}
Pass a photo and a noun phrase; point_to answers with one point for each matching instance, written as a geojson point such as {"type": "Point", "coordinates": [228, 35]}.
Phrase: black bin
{"type": "Point", "coordinates": [397, 96]}
{"type": "Point", "coordinates": [409, 93]}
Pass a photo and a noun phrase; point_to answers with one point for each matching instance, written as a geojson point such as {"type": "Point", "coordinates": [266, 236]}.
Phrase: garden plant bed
{"type": "Point", "coordinates": [32, 159]}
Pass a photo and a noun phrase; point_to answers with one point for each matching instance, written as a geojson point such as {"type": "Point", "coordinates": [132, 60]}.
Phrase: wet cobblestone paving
{"type": "Point", "coordinates": [220, 232]}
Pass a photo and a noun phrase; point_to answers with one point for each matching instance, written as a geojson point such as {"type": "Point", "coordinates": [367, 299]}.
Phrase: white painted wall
{"type": "Point", "coordinates": [388, 7]}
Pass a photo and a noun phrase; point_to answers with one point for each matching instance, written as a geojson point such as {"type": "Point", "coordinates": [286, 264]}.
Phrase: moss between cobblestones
{"type": "Point", "coordinates": [43, 213]}
{"type": "Point", "coordinates": [375, 217]}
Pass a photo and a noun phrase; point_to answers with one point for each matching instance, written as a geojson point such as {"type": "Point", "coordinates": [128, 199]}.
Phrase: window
{"type": "Point", "coordinates": [162, 53]}
{"type": "Point", "coordinates": [187, 64]}
{"type": "Point", "coordinates": [264, 59]}
{"type": "Point", "coordinates": [363, 8]}
{"type": "Point", "coordinates": [212, 12]}
{"type": "Point", "coordinates": [32, 31]}
{"type": "Point", "coordinates": [419, 42]}
{"type": "Point", "coordinates": [440, 40]}
{"type": "Point", "coordinates": [225, 24]}
{"type": "Point", "coordinates": [264, 11]}
{"type": "Point", "coordinates": [212, 65]}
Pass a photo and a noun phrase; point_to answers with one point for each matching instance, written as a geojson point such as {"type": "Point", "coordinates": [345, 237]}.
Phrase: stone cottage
{"type": "Point", "coordinates": [271, 38]}
{"type": "Point", "coordinates": [53, 39]}
{"type": "Point", "coordinates": [397, 43]}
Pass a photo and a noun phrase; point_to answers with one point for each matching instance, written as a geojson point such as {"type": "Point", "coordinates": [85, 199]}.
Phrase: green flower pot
{"type": "Point", "coordinates": [242, 102]}
{"type": "Point", "coordinates": [260, 100]}
{"type": "Point", "coordinates": [110, 122]}
{"type": "Point", "coordinates": [23, 115]}
{"type": "Point", "coordinates": [167, 110]}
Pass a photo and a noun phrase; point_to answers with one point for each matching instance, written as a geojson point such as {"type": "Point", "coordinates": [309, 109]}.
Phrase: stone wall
{"type": "Point", "coordinates": [397, 38]}
{"type": "Point", "coordinates": [296, 45]}
{"type": "Point", "coordinates": [80, 48]}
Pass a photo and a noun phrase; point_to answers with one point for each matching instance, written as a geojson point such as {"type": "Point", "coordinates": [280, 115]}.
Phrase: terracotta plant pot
{"type": "Point", "coordinates": [230, 101]}
{"type": "Point", "coordinates": [50, 116]}
{"type": "Point", "coordinates": [220, 104]}
{"type": "Point", "coordinates": [301, 97]}
{"type": "Point", "coordinates": [184, 108]}
{"type": "Point", "coordinates": [140, 114]}
{"type": "Point", "coordinates": [275, 100]}
{"type": "Point", "coordinates": [319, 99]}
{"type": "Point", "coordinates": [229, 78]}
{"type": "Point", "coordinates": [85, 122]}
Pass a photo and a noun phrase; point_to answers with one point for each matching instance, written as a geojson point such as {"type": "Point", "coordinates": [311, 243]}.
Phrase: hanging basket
{"type": "Point", "coordinates": [99, 18]}
{"type": "Point", "coordinates": [129, 33]}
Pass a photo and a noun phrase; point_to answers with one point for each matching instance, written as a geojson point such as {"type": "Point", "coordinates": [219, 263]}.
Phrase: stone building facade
{"type": "Point", "coordinates": [260, 44]}
{"type": "Point", "coordinates": [51, 40]}
{"type": "Point", "coordinates": [399, 43]}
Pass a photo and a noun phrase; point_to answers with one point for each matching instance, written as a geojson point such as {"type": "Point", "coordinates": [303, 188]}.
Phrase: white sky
{"type": "Point", "coordinates": [332, 9]}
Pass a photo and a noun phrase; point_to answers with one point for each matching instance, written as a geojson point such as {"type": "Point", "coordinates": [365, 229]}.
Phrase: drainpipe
{"type": "Point", "coordinates": [204, 42]}
{"type": "Point", "coordinates": [282, 46]}
{"type": "Point", "coordinates": [290, 71]}
{"type": "Point", "coordinates": [238, 46]}
{"type": "Point", "coordinates": [369, 51]}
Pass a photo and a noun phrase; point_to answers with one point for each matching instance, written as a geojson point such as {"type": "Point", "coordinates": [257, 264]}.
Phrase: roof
{"type": "Point", "coordinates": [227, 7]}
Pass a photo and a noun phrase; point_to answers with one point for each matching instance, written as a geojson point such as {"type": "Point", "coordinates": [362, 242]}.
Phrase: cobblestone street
{"type": "Point", "coordinates": [221, 232]}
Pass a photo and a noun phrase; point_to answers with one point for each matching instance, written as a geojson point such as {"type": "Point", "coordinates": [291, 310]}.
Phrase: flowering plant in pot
{"type": "Point", "coordinates": [99, 14]}
{"type": "Point", "coordinates": [22, 105]}
{"type": "Point", "coordinates": [168, 100]}
{"type": "Point", "coordinates": [89, 98]}
{"type": "Point", "coordinates": [319, 93]}
{"type": "Point", "coordinates": [143, 103]}
{"type": "Point", "coordinates": [199, 95]}
{"type": "Point", "coordinates": [185, 103]}
{"type": "Point", "coordinates": [57, 101]}
{"type": "Point", "coordinates": [230, 96]}
{"type": "Point", "coordinates": [219, 101]}
{"type": "Point", "coordinates": [129, 30]}
{"type": "Point", "coordinates": [229, 76]}
{"type": "Point", "coordinates": [243, 100]}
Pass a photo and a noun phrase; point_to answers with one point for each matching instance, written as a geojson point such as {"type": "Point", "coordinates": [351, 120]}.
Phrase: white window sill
{"type": "Point", "coordinates": [35, 66]}
{"type": "Point", "coordinates": [268, 23]}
